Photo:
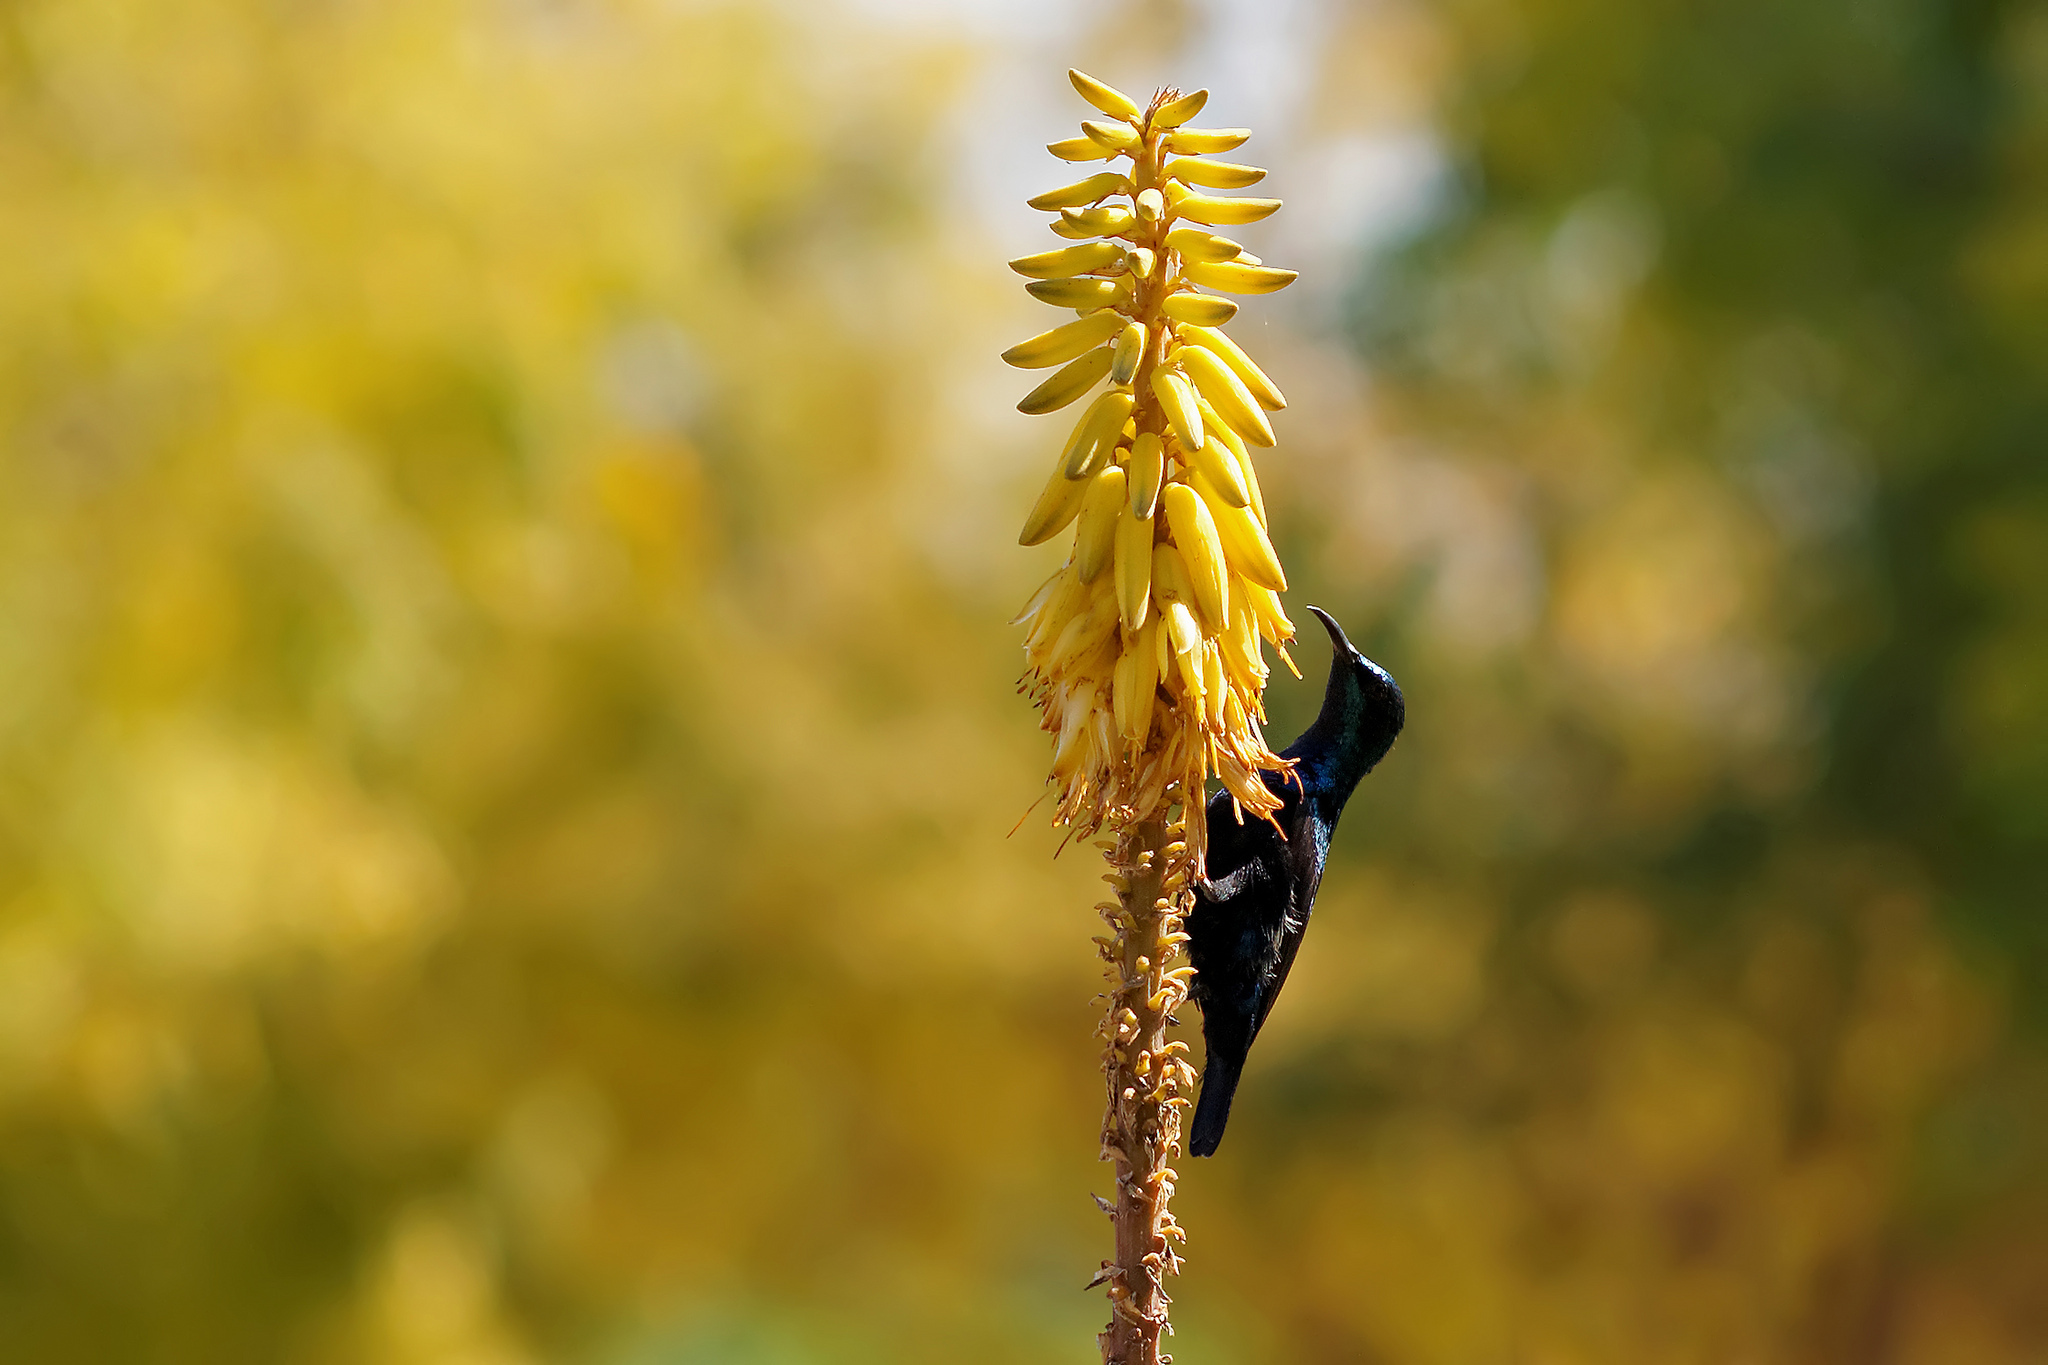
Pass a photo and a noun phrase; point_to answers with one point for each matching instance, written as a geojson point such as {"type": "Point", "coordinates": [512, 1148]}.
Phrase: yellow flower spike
{"type": "Point", "coordinates": [1071, 260]}
{"type": "Point", "coordinates": [1065, 342]}
{"type": "Point", "coordinates": [1236, 277]}
{"type": "Point", "coordinates": [1074, 291]}
{"type": "Point", "coordinates": [1133, 568]}
{"type": "Point", "coordinates": [1148, 472]}
{"type": "Point", "coordinates": [1119, 138]}
{"type": "Point", "coordinates": [1079, 149]}
{"type": "Point", "coordinates": [1096, 433]}
{"type": "Point", "coordinates": [1206, 141]}
{"type": "Point", "coordinates": [1177, 397]}
{"type": "Point", "coordinates": [1174, 113]}
{"type": "Point", "coordinates": [1094, 188]}
{"type": "Point", "coordinates": [1194, 531]}
{"type": "Point", "coordinates": [1262, 388]}
{"type": "Point", "coordinates": [1130, 348]}
{"type": "Point", "coordinates": [1201, 310]}
{"type": "Point", "coordinates": [1215, 175]}
{"type": "Point", "coordinates": [1059, 504]}
{"type": "Point", "coordinates": [1226, 393]}
{"type": "Point", "coordinates": [1193, 244]}
{"type": "Point", "coordinates": [1144, 652]}
{"type": "Point", "coordinates": [1095, 540]}
{"type": "Point", "coordinates": [1069, 384]}
{"type": "Point", "coordinates": [1107, 98]}
{"type": "Point", "coordinates": [1203, 208]}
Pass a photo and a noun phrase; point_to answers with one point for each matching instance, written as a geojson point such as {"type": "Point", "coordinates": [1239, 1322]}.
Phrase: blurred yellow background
{"type": "Point", "coordinates": [508, 742]}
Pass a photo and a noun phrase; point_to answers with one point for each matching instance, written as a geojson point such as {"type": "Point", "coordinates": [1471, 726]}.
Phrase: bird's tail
{"type": "Point", "coordinates": [1212, 1110]}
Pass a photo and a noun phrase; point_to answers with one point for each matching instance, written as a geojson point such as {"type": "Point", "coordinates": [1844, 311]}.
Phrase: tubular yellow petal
{"type": "Point", "coordinates": [1216, 461]}
{"type": "Point", "coordinates": [1137, 684]}
{"type": "Point", "coordinates": [1074, 291]}
{"type": "Point", "coordinates": [1151, 205]}
{"type": "Point", "coordinates": [1221, 386]}
{"type": "Point", "coordinates": [1170, 576]}
{"type": "Point", "coordinates": [1107, 98]}
{"type": "Point", "coordinates": [1214, 692]}
{"type": "Point", "coordinates": [1174, 113]}
{"type": "Point", "coordinates": [1095, 538]}
{"type": "Point", "coordinates": [1202, 310]}
{"type": "Point", "coordinates": [1065, 342]}
{"type": "Point", "coordinates": [1087, 191]}
{"type": "Point", "coordinates": [1235, 277]}
{"type": "Point", "coordinates": [1039, 598]}
{"type": "Point", "coordinates": [1104, 220]}
{"type": "Point", "coordinates": [1084, 632]}
{"type": "Point", "coordinates": [1079, 149]}
{"type": "Point", "coordinates": [1222, 433]}
{"type": "Point", "coordinates": [1133, 568]}
{"type": "Point", "coordinates": [1262, 388]}
{"type": "Point", "coordinates": [1240, 644]}
{"type": "Point", "coordinates": [1204, 141]}
{"type": "Point", "coordinates": [1070, 596]}
{"type": "Point", "coordinates": [1270, 615]}
{"type": "Point", "coordinates": [1142, 262]}
{"type": "Point", "coordinates": [1117, 137]}
{"type": "Point", "coordinates": [1095, 435]}
{"type": "Point", "coordinates": [1177, 396]}
{"type": "Point", "coordinates": [1204, 208]}
{"type": "Point", "coordinates": [1148, 472]}
{"type": "Point", "coordinates": [1251, 483]}
{"type": "Point", "coordinates": [1059, 504]}
{"type": "Point", "coordinates": [1245, 546]}
{"type": "Point", "coordinates": [1216, 175]}
{"type": "Point", "coordinates": [1186, 638]}
{"type": "Point", "coordinates": [1130, 349]}
{"type": "Point", "coordinates": [1193, 244]}
{"type": "Point", "coordinates": [1070, 260]}
{"type": "Point", "coordinates": [1194, 531]}
{"type": "Point", "coordinates": [1069, 384]}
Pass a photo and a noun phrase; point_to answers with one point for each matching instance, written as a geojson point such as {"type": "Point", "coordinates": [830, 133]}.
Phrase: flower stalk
{"type": "Point", "coordinates": [1145, 650]}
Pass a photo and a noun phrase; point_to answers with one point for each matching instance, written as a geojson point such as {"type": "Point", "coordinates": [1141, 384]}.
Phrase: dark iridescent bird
{"type": "Point", "coordinates": [1251, 912]}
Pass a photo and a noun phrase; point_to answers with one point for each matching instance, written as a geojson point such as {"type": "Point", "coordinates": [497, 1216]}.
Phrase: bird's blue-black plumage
{"type": "Point", "coordinates": [1251, 911]}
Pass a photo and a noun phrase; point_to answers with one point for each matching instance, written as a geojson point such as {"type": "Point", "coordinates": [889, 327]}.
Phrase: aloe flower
{"type": "Point", "coordinates": [1144, 651]}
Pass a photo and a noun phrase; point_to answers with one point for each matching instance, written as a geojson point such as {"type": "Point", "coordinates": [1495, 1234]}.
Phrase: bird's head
{"type": "Point", "coordinates": [1363, 709]}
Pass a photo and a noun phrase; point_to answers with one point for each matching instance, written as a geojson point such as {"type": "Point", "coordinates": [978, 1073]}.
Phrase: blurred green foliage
{"type": "Point", "coordinates": [507, 747]}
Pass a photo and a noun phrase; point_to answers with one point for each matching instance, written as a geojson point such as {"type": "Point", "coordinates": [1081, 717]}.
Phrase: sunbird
{"type": "Point", "coordinates": [1252, 907]}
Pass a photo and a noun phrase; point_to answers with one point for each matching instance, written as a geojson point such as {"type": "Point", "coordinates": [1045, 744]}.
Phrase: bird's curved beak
{"type": "Point", "coordinates": [1338, 640]}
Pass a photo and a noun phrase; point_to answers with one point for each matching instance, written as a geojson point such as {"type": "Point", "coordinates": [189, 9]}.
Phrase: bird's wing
{"type": "Point", "coordinates": [1293, 930]}
{"type": "Point", "coordinates": [1269, 992]}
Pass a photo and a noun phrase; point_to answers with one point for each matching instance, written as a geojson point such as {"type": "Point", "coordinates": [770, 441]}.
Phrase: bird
{"type": "Point", "coordinates": [1251, 907]}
